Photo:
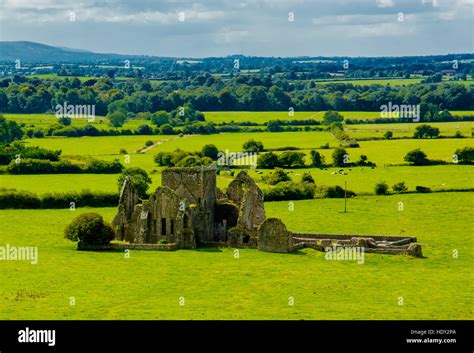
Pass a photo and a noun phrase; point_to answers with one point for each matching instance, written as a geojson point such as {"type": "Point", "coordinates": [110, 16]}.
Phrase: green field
{"type": "Point", "coordinates": [263, 117]}
{"type": "Point", "coordinates": [257, 285]}
{"type": "Point", "coordinates": [406, 130]}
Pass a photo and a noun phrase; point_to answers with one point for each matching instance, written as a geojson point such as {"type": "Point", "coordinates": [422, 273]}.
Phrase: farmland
{"type": "Point", "coordinates": [257, 285]}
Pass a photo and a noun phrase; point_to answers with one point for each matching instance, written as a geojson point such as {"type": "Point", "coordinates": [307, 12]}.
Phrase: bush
{"type": "Point", "coordinates": [290, 191]}
{"type": "Point", "coordinates": [417, 157]}
{"type": "Point", "coordinates": [144, 130]}
{"type": "Point", "coordinates": [123, 151]}
{"type": "Point", "coordinates": [331, 116]}
{"type": "Point", "coordinates": [307, 178]}
{"type": "Point", "coordinates": [40, 166]}
{"type": "Point", "coordinates": [422, 189]}
{"type": "Point", "coordinates": [277, 176]}
{"type": "Point", "coordinates": [425, 131]}
{"type": "Point", "coordinates": [166, 129]}
{"type": "Point", "coordinates": [268, 160]}
{"type": "Point", "coordinates": [89, 228]}
{"type": "Point", "coordinates": [399, 187]}
{"type": "Point", "coordinates": [388, 135]}
{"type": "Point", "coordinates": [290, 159]}
{"type": "Point", "coordinates": [210, 151]}
{"type": "Point", "coordinates": [95, 166]}
{"type": "Point", "coordinates": [333, 192]}
{"type": "Point", "coordinates": [19, 199]}
{"type": "Point", "coordinates": [149, 143]}
{"type": "Point", "coordinates": [465, 155]}
{"type": "Point", "coordinates": [381, 188]}
{"type": "Point", "coordinates": [253, 146]}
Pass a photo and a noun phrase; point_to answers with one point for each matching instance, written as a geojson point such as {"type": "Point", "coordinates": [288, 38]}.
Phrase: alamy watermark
{"type": "Point", "coordinates": [237, 158]}
{"type": "Point", "coordinates": [401, 111]}
{"type": "Point", "coordinates": [76, 111]}
{"type": "Point", "coordinates": [345, 253]}
{"type": "Point", "coordinates": [14, 253]}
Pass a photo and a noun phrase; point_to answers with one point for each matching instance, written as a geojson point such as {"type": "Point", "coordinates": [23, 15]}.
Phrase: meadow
{"type": "Point", "coordinates": [256, 285]}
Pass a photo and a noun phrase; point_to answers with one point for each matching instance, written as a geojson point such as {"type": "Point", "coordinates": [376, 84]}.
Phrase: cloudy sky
{"type": "Point", "coordinates": [249, 27]}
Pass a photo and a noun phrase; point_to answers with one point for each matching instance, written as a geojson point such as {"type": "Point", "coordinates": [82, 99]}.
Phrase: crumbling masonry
{"type": "Point", "coordinates": [188, 210]}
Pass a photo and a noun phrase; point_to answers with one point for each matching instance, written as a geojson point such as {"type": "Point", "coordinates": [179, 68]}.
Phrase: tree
{"type": "Point", "coordinates": [89, 228]}
{"type": "Point", "coordinates": [465, 155]}
{"type": "Point", "coordinates": [317, 160]}
{"type": "Point", "coordinates": [339, 157]}
{"type": "Point", "coordinates": [160, 118]}
{"type": "Point", "coordinates": [210, 151]}
{"type": "Point", "coordinates": [117, 119]}
{"type": "Point", "coordinates": [9, 130]}
{"type": "Point", "coordinates": [425, 131]}
{"type": "Point", "coordinates": [291, 159]}
{"type": "Point", "coordinates": [399, 187]}
{"type": "Point", "coordinates": [267, 160]}
{"type": "Point", "coordinates": [139, 179]}
{"type": "Point", "coordinates": [416, 157]}
{"type": "Point", "coordinates": [277, 176]}
{"type": "Point", "coordinates": [144, 130]}
{"type": "Point", "coordinates": [332, 116]}
{"type": "Point", "coordinates": [253, 146]}
{"type": "Point", "coordinates": [274, 126]}
{"type": "Point", "coordinates": [388, 135]}
{"type": "Point", "coordinates": [381, 188]}
{"type": "Point", "coordinates": [166, 129]}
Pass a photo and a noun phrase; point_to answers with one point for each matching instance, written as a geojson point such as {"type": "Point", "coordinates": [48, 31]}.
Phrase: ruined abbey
{"type": "Point", "coordinates": [188, 210]}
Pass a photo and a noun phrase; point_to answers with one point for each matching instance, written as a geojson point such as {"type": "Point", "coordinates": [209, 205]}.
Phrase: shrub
{"type": "Point", "coordinates": [465, 155]}
{"type": "Point", "coordinates": [290, 159]}
{"type": "Point", "coordinates": [149, 143]}
{"type": "Point", "coordinates": [268, 160]}
{"type": "Point", "coordinates": [416, 157]}
{"type": "Point", "coordinates": [399, 187]}
{"type": "Point", "coordinates": [425, 131]}
{"type": "Point", "coordinates": [40, 166]}
{"type": "Point", "coordinates": [307, 178]}
{"type": "Point", "coordinates": [332, 117]}
{"type": "Point", "coordinates": [144, 130]}
{"type": "Point", "coordinates": [166, 129]}
{"type": "Point", "coordinates": [95, 166]}
{"type": "Point", "coordinates": [210, 151]}
{"type": "Point", "coordinates": [290, 191]}
{"type": "Point", "coordinates": [123, 151]}
{"type": "Point", "coordinates": [333, 192]}
{"type": "Point", "coordinates": [277, 176]}
{"type": "Point", "coordinates": [388, 135]}
{"type": "Point", "coordinates": [422, 189]}
{"type": "Point", "coordinates": [19, 199]}
{"type": "Point", "coordinates": [253, 146]}
{"type": "Point", "coordinates": [65, 120]}
{"type": "Point", "coordinates": [381, 188]}
{"type": "Point", "coordinates": [89, 228]}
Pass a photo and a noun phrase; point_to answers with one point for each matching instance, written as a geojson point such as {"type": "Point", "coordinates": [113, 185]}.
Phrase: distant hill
{"type": "Point", "coordinates": [41, 53]}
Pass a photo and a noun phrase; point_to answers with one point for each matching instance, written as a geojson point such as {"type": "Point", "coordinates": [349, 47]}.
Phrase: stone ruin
{"type": "Point", "coordinates": [188, 210]}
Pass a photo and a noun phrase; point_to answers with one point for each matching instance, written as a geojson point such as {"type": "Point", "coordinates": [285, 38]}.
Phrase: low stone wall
{"type": "Point", "coordinates": [349, 236]}
{"type": "Point", "coordinates": [123, 247]}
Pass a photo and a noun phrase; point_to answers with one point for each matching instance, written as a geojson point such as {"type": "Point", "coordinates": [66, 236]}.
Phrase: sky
{"type": "Point", "coordinates": [282, 28]}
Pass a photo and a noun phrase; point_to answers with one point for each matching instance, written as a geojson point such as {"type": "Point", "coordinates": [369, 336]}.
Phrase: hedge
{"type": "Point", "coordinates": [27, 200]}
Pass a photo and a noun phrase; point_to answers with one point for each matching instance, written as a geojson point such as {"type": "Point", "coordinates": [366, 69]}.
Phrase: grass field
{"type": "Point", "coordinates": [359, 180]}
{"type": "Point", "coordinates": [257, 285]}
{"type": "Point", "coordinates": [263, 117]}
{"type": "Point", "coordinates": [407, 130]}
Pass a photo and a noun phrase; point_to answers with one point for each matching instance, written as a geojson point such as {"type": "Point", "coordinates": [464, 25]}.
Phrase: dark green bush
{"type": "Point", "coordinates": [422, 189]}
{"type": "Point", "coordinates": [89, 228]}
